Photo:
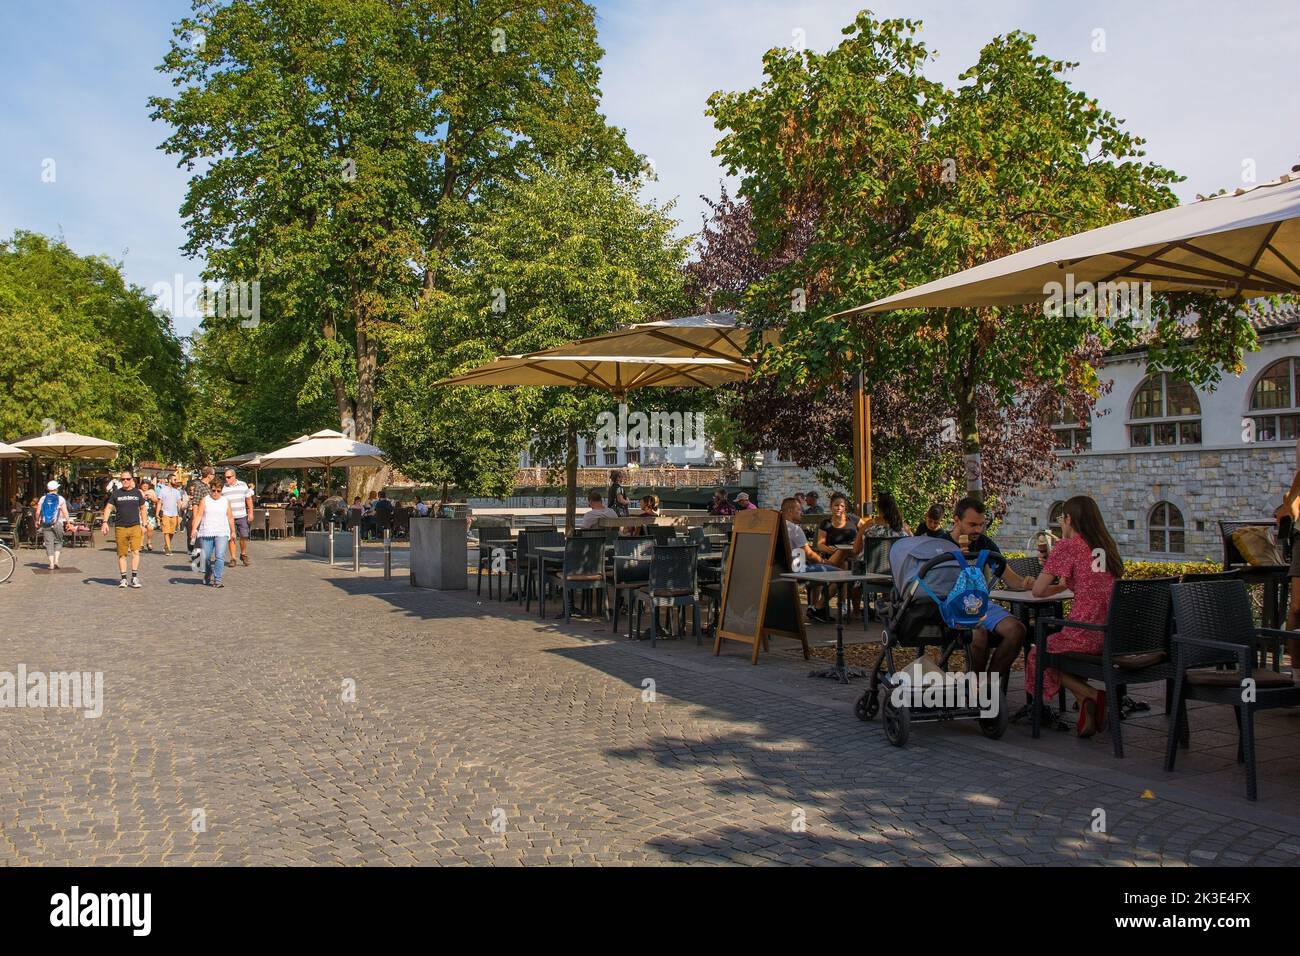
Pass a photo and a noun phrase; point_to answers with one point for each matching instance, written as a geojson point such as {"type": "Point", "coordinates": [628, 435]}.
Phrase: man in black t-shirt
{"type": "Point", "coordinates": [1002, 632]}
{"type": "Point", "coordinates": [128, 503]}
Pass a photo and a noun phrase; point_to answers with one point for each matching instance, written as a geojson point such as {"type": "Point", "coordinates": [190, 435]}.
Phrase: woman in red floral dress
{"type": "Point", "coordinates": [1087, 561]}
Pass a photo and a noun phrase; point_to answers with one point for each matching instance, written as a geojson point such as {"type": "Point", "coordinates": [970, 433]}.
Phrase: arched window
{"type": "Point", "coordinates": [1165, 529]}
{"type": "Point", "coordinates": [1054, 517]}
{"type": "Point", "coordinates": [1165, 411]}
{"type": "Point", "coordinates": [1071, 433]}
{"type": "Point", "coordinates": [1275, 395]}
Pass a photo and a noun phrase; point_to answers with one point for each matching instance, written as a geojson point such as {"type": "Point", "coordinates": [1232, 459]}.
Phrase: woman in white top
{"type": "Point", "coordinates": [213, 526]}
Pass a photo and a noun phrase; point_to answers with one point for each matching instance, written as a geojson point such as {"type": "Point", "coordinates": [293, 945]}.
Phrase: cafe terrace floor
{"type": "Point", "coordinates": [305, 715]}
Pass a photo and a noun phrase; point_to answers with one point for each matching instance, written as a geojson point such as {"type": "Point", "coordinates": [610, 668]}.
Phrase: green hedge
{"type": "Point", "coordinates": [1136, 570]}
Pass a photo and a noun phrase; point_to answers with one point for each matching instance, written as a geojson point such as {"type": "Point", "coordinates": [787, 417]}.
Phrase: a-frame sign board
{"type": "Point", "coordinates": [756, 601]}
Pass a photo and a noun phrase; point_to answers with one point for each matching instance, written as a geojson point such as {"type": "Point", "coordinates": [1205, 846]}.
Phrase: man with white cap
{"type": "Point", "coordinates": [743, 503]}
{"type": "Point", "coordinates": [52, 514]}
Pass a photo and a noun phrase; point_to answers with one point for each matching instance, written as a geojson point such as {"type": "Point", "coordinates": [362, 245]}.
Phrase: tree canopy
{"type": "Point", "coordinates": [82, 348]}
{"type": "Point", "coordinates": [881, 179]}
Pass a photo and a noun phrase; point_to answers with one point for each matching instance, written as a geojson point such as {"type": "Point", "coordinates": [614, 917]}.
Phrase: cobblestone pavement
{"type": "Point", "coordinates": [481, 735]}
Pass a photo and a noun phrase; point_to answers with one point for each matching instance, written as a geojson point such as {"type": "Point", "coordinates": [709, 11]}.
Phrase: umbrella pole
{"type": "Point", "coordinates": [862, 485]}
{"type": "Point", "coordinates": [571, 480]}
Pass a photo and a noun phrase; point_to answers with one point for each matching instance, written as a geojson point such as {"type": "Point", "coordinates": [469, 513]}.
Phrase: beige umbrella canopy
{"type": "Point", "coordinates": [238, 461]}
{"type": "Point", "coordinates": [325, 452]}
{"type": "Point", "coordinates": [68, 445]}
{"type": "Point", "coordinates": [10, 452]}
{"type": "Point", "coordinates": [1246, 244]}
{"type": "Point", "coordinates": [698, 351]}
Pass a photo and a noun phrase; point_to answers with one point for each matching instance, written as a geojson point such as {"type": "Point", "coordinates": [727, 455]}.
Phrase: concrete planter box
{"type": "Point", "coordinates": [318, 543]}
{"type": "Point", "coordinates": [438, 554]}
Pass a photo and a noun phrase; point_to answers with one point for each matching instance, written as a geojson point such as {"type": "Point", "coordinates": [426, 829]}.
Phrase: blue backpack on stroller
{"type": "Point", "coordinates": [968, 599]}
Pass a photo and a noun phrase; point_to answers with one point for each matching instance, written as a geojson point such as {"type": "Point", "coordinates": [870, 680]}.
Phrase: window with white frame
{"type": "Point", "coordinates": [1165, 411]}
{"type": "Point", "coordinates": [1274, 404]}
{"type": "Point", "coordinates": [1071, 433]}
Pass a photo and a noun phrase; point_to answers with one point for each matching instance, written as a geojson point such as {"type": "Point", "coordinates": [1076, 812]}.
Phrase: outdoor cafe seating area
{"type": "Point", "coordinates": [1170, 643]}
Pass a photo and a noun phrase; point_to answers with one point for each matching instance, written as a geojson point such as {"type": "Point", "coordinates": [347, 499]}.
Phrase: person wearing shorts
{"type": "Point", "coordinates": [128, 503]}
{"type": "Point", "coordinates": [1002, 632]}
{"type": "Point", "coordinates": [52, 515]}
{"type": "Point", "coordinates": [171, 502]}
{"type": "Point", "coordinates": [240, 497]}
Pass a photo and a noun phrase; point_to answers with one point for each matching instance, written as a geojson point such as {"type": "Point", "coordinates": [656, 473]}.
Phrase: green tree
{"type": "Point", "coordinates": [81, 347]}
{"type": "Point", "coordinates": [339, 147]}
{"type": "Point", "coordinates": [557, 256]}
{"type": "Point", "coordinates": [250, 389]}
{"type": "Point", "coordinates": [907, 181]}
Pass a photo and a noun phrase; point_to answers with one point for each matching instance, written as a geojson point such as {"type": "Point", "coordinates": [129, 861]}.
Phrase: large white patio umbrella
{"type": "Point", "coordinates": [1246, 244]}
{"type": "Point", "coordinates": [10, 452]}
{"type": "Point", "coordinates": [325, 452]}
{"type": "Point", "coordinates": [68, 445]}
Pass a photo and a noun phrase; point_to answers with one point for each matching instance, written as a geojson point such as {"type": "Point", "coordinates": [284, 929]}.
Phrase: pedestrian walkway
{"type": "Point", "coordinates": [304, 714]}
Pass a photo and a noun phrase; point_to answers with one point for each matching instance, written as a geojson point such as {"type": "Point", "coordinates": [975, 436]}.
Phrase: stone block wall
{"type": "Point", "coordinates": [778, 480]}
{"type": "Point", "coordinates": [1207, 486]}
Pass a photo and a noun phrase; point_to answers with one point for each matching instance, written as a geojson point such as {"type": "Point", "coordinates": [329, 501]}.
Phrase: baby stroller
{"type": "Point", "coordinates": [918, 614]}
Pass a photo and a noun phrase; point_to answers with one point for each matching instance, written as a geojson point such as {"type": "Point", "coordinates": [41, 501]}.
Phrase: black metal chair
{"type": "Point", "coordinates": [630, 570]}
{"type": "Point", "coordinates": [530, 538]}
{"type": "Point", "coordinates": [489, 540]}
{"type": "Point", "coordinates": [672, 585]}
{"type": "Point", "coordinates": [1215, 626]}
{"type": "Point", "coordinates": [662, 533]}
{"type": "Point", "coordinates": [583, 570]}
{"type": "Point", "coordinates": [1135, 648]}
{"type": "Point", "coordinates": [1274, 578]}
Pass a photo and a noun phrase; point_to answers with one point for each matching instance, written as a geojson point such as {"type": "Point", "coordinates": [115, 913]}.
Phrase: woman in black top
{"type": "Point", "coordinates": [839, 528]}
{"type": "Point", "coordinates": [617, 496]}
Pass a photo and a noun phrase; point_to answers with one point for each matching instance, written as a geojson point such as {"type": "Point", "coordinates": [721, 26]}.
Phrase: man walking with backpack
{"type": "Point", "coordinates": [52, 514]}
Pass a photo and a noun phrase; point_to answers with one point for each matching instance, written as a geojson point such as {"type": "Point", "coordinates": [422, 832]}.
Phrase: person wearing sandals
{"type": "Point", "coordinates": [1086, 561]}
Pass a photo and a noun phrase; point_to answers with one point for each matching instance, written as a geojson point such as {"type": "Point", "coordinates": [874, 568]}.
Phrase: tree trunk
{"type": "Point", "coordinates": [571, 480]}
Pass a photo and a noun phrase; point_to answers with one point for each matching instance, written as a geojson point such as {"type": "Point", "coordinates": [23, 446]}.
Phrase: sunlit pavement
{"type": "Point", "coordinates": [476, 733]}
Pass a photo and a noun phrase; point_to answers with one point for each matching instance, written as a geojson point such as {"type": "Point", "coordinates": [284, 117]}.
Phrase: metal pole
{"type": "Point", "coordinates": [331, 543]}
{"type": "Point", "coordinates": [388, 553]}
{"type": "Point", "coordinates": [356, 548]}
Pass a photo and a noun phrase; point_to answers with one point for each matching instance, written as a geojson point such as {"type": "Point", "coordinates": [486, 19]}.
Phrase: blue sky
{"type": "Point", "coordinates": [1209, 84]}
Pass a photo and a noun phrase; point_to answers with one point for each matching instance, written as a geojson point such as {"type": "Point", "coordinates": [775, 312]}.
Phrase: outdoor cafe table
{"type": "Point", "coordinates": [843, 578]}
{"type": "Point", "coordinates": [1024, 605]}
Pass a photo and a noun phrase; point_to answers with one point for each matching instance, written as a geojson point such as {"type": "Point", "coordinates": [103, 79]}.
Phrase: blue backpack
{"type": "Point", "coordinates": [49, 508]}
{"type": "Point", "coordinates": [968, 600]}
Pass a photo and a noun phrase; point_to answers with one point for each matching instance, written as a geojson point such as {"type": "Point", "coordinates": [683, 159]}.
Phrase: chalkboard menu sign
{"type": "Point", "coordinates": [756, 602]}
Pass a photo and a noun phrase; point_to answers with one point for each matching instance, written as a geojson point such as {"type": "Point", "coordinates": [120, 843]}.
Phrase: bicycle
{"type": "Point", "coordinates": [7, 563]}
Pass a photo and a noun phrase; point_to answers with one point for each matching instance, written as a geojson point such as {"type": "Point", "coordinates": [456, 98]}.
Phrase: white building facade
{"type": "Point", "coordinates": [1166, 462]}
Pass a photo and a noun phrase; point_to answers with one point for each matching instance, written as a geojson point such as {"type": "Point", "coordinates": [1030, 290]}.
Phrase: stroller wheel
{"type": "Point", "coordinates": [995, 727]}
{"type": "Point", "coordinates": [898, 723]}
{"type": "Point", "coordinates": [867, 706]}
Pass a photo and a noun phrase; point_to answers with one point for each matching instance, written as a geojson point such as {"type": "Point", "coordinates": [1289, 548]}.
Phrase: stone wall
{"type": "Point", "coordinates": [1207, 485]}
{"type": "Point", "coordinates": [778, 480]}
